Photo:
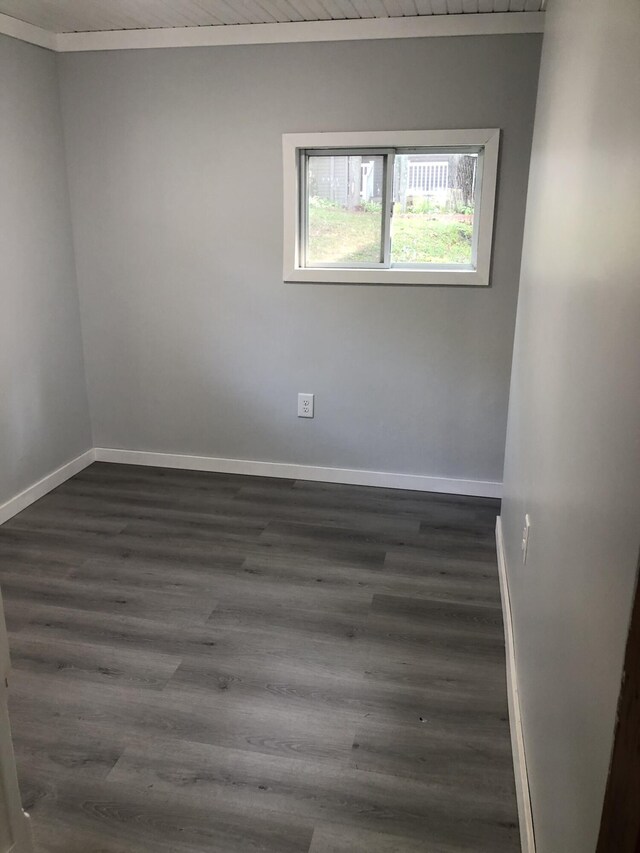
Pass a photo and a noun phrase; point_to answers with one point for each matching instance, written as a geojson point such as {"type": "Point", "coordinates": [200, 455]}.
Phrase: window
{"type": "Point", "coordinates": [400, 207]}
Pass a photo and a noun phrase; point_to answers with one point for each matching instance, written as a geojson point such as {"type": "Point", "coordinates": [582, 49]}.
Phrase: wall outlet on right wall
{"type": "Point", "coordinates": [525, 538]}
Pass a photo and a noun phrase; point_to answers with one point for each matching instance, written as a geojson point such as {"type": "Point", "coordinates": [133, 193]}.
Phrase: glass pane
{"type": "Point", "coordinates": [344, 212]}
{"type": "Point", "coordinates": [433, 211]}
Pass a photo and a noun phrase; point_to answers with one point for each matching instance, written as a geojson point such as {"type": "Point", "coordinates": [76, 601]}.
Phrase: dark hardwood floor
{"type": "Point", "coordinates": [231, 664]}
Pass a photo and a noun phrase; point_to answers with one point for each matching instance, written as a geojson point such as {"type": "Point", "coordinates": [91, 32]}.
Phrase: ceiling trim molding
{"type": "Point", "coordinates": [423, 26]}
{"type": "Point", "coordinates": [494, 23]}
{"type": "Point", "coordinates": [27, 32]}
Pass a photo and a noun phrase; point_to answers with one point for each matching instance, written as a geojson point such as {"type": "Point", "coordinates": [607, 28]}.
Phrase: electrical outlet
{"type": "Point", "coordinates": [525, 538]}
{"type": "Point", "coordinates": [305, 405]}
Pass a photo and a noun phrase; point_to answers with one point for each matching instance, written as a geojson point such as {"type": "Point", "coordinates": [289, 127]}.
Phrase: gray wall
{"type": "Point", "coordinates": [44, 419]}
{"type": "Point", "coordinates": [193, 342]}
{"type": "Point", "coordinates": [573, 449]}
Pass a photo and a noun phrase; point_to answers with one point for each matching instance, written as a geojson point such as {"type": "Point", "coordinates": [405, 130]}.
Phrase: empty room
{"type": "Point", "coordinates": [319, 426]}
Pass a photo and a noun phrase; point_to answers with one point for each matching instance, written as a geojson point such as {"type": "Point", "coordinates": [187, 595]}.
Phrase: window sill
{"type": "Point", "coordinates": [431, 277]}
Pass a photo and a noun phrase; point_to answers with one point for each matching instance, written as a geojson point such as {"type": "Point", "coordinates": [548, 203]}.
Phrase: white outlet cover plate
{"type": "Point", "coordinates": [305, 405]}
{"type": "Point", "coordinates": [525, 537]}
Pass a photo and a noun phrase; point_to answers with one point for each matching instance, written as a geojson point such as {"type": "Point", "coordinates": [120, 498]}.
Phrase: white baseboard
{"type": "Point", "coordinates": [355, 477]}
{"type": "Point", "coordinates": [527, 837]}
{"type": "Point", "coordinates": [21, 501]}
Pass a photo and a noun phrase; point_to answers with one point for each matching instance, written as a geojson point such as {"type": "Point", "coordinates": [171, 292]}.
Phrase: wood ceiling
{"type": "Point", "coordinates": [70, 16]}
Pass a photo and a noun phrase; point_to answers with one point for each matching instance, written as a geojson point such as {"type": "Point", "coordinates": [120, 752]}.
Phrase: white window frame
{"type": "Point", "coordinates": [293, 144]}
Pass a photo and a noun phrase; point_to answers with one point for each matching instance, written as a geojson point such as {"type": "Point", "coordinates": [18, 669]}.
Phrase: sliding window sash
{"type": "Point", "coordinates": [446, 150]}
{"type": "Point", "coordinates": [387, 155]}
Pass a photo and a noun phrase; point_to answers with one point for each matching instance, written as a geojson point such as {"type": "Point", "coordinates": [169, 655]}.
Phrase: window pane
{"type": "Point", "coordinates": [344, 209]}
{"type": "Point", "coordinates": [433, 212]}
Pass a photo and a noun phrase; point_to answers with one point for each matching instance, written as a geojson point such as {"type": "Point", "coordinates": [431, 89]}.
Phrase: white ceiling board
{"type": "Point", "coordinates": [408, 7]}
{"type": "Point", "coordinates": [273, 11]}
{"type": "Point", "coordinates": [203, 11]}
{"type": "Point", "coordinates": [194, 10]}
{"type": "Point", "coordinates": [377, 8]}
{"type": "Point", "coordinates": [424, 7]}
{"type": "Point", "coordinates": [286, 7]}
{"type": "Point", "coordinates": [312, 10]}
{"type": "Point", "coordinates": [336, 11]}
{"type": "Point", "coordinates": [349, 8]}
{"type": "Point", "coordinates": [174, 13]}
{"type": "Point", "coordinates": [258, 13]}
{"type": "Point", "coordinates": [394, 8]}
{"type": "Point", "coordinates": [363, 8]}
{"type": "Point", "coordinates": [229, 11]}
{"type": "Point", "coordinates": [300, 8]}
{"type": "Point", "coordinates": [133, 11]}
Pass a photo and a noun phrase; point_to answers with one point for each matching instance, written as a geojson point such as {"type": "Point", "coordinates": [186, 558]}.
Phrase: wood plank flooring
{"type": "Point", "coordinates": [233, 664]}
